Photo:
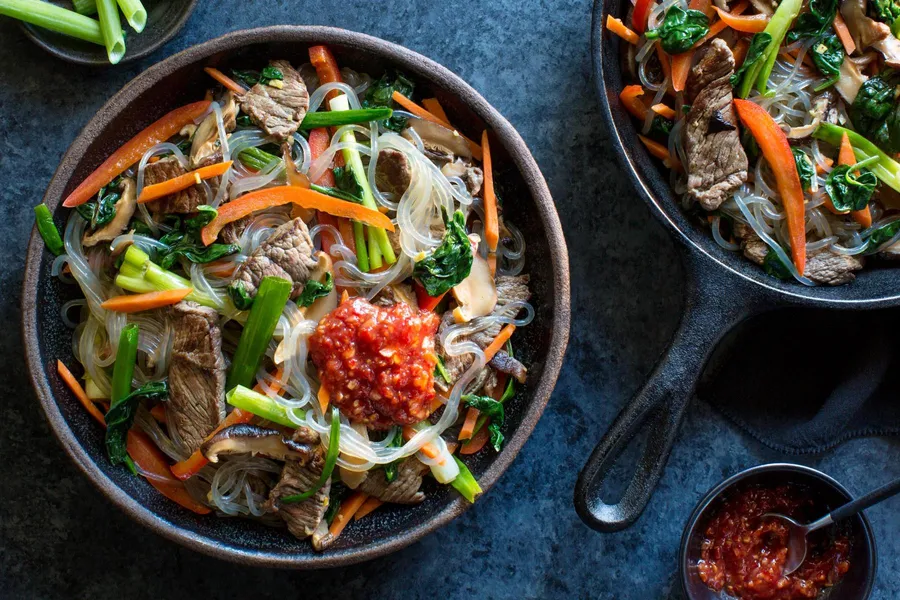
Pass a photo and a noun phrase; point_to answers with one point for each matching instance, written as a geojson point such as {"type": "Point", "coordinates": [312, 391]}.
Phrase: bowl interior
{"type": "Point", "coordinates": [828, 494]}
{"type": "Point", "coordinates": [181, 80]}
{"type": "Point", "coordinates": [874, 286]}
{"type": "Point", "coordinates": [164, 19]}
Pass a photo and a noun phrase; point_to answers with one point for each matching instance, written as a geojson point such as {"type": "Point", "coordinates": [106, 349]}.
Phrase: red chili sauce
{"type": "Point", "coordinates": [744, 554]}
{"type": "Point", "coordinates": [377, 363]}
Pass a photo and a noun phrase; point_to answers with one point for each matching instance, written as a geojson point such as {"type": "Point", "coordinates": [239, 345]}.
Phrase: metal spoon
{"type": "Point", "coordinates": [797, 532]}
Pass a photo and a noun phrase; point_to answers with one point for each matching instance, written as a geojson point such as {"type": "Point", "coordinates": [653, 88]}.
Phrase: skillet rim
{"type": "Point", "coordinates": [426, 68]}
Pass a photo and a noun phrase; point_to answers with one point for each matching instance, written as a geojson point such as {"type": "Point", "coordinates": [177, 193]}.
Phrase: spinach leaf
{"type": "Point", "coordinates": [335, 496]}
{"type": "Point", "coordinates": [121, 416]}
{"type": "Point", "coordinates": [874, 113]}
{"type": "Point", "coordinates": [346, 182]}
{"type": "Point", "coordinates": [660, 128]}
{"type": "Point", "coordinates": [449, 263]}
{"type": "Point", "coordinates": [314, 290]}
{"type": "Point", "coordinates": [244, 121]}
{"type": "Point", "coordinates": [184, 145]}
{"type": "Point", "coordinates": [680, 29]}
{"type": "Point", "coordinates": [248, 77]}
{"type": "Point", "coordinates": [186, 244]}
{"type": "Point", "coordinates": [816, 22]}
{"type": "Point", "coordinates": [103, 210]}
{"type": "Point", "coordinates": [205, 216]}
{"type": "Point", "coordinates": [270, 73]}
{"type": "Point", "coordinates": [774, 266]}
{"type": "Point", "coordinates": [440, 370]}
{"type": "Point", "coordinates": [849, 191]}
{"type": "Point", "coordinates": [390, 469]}
{"type": "Point", "coordinates": [380, 94]}
{"type": "Point", "coordinates": [755, 53]}
{"type": "Point", "coordinates": [493, 409]}
{"type": "Point", "coordinates": [141, 228]}
{"type": "Point", "coordinates": [239, 295]}
{"type": "Point", "coordinates": [882, 235]}
{"type": "Point", "coordinates": [86, 210]}
{"type": "Point", "coordinates": [889, 12]}
{"type": "Point", "coordinates": [828, 55]}
{"type": "Point", "coordinates": [804, 168]}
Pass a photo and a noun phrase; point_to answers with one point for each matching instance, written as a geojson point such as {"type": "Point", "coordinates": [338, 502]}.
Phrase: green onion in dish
{"type": "Point", "coordinates": [135, 14]}
{"type": "Point", "coordinates": [344, 117]}
{"type": "Point", "coordinates": [886, 169]}
{"type": "Point", "coordinates": [55, 18]}
{"type": "Point", "coordinates": [334, 448]}
{"type": "Point", "coordinates": [85, 7]}
{"type": "Point", "coordinates": [777, 28]}
{"type": "Point", "coordinates": [465, 483]}
{"type": "Point", "coordinates": [47, 228]}
{"type": "Point", "coordinates": [111, 28]}
{"type": "Point", "coordinates": [260, 405]}
{"type": "Point", "coordinates": [140, 275]}
{"type": "Point", "coordinates": [123, 368]}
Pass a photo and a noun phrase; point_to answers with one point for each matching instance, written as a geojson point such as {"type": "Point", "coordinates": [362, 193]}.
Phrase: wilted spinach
{"type": "Point", "coordinates": [493, 409]}
{"type": "Point", "coordinates": [380, 93]}
{"type": "Point", "coordinates": [828, 55]}
{"type": "Point", "coordinates": [755, 53]}
{"type": "Point", "coordinates": [335, 496]}
{"type": "Point", "coordinates": [440, 370]}
{"type": "Point", "coordinates": [184, 241]}
{"type": "Point", "coordinates": [816, 22]}
{"type": "Point", "coordinates": [882, 235]}
{"type": "Point", "coordinates": [314, 290]}
{"type": "Point", "coordinates": [849, 191]}
{"type": "Point", "coordinates": [239, 296]}
{"type": "Point", "coordinates": [449, 263]}
{"type": "Point", "coordinates": [346, 182]}
{"type": "Point", "coordinates": [390, 469]}
{"type": "Point", "coordinates": [680, 29]}
{"type": "Point", "coordinates": [250, 77]}
{"type": "Point", "coordinates": [774, 266]}
{"type": "Point", "coordinates": [103, 210]}
{"type": "Point", "coordinates": [660, 128]}
{"type": "Point", "coordinates": [804, 168]}
{"type": "Point", "coordinates": [889, 12]}
{"type": "Point", "coordinates": [121, 416]}
{"type": "Point", "coordinates": [876, 114]}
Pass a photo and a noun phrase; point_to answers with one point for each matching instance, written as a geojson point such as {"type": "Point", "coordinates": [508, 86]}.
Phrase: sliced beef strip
{"type": "Point", "coordinates": [287, 253]}
{"type": "Point", "coordinates": [185, 201]}
{"type": "Point", "coordinates": [716, 162]}
{"type": "Point", "coordinates": [196, 374]}
{"type": "Point", "coordinates": [302, 518]}
{"type": "Point", "coordinates": [396, 293]}
{"type": "Point", "coordinates": [392, 172]}
{"type": "Point", "coordinates": [751, 244]}
{"type": "Point", "coordinates": [404, 489]}
{"type": "Point", "coordinates": [278, 112]}
{"type": "Point", "coordinates": [831, 268]}
{"type": "Point", "coordinates": [509, 289]}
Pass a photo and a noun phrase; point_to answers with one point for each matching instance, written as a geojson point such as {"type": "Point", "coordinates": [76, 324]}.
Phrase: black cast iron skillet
{"type": "Point", "coordinates": [723, 288]}
{"type": "Point", "coordinates": [179, 80]}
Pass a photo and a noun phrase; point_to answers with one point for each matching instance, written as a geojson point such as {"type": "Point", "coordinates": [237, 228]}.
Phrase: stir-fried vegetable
{"type": "Point", "coordinates": [249, 77]}
{"type": "Point", "coordinates": [326, 67]}
{"type": "Point", "coordinates": [182, 182]}
{"type": "Point", "coordinates": [43, 218]}
{"type": "Point", "coordinates": [851, 187]}
{"type": "Point", "coordinates": [492, 409]}
{"type": "Point", "coordinates": [313, 290]}
{"type": "Point", "coordinates": [334, 448]}
{"type": "Point", "coordinates": [258, 404]}
{"type": "Point", "coordinates": [465, 483]}
{"type": "Point", "coordinates": [121, 416]}
{"type": "Point", "coordinates": [333, 118]}
{"type": "Point", "coordinates": [491, 217]}
{"type": "Point", "coordinates": [267, 307]}
{"type": "Point", "coordinates": [882, 235]}
{"type": "Point", "coordinates": [876, 113]}
{"type": "Point", "coordinates": [618, 27]}
{"type": "Point", "coordinates": [885, 168]}
{"type": "Point", "coordinates": [381, 93]}
{"type": "Point", "coordinates": [450, 262]}
{"type": "Point", "coordinates": [140, 275]}
{"type": "Point", "coordinates": [805, 168]}
{"type": "Point", "coordinates": [123, 368]}
{"type": "Point", "coordinates": [226, 81]}
{"type": "Point", "coordinates": [141, 302]}
{"type": "Point", "coordinates": [758, 72]}
{"type": "Point", "coordinates": [889, 12]}
{"type": "Point", "coordinates": [152, 464]}
{"type": "Point", "coordinates": [680, 29]}
{"type": "Point", "coordinates": [79, 392]}
{"type": "Point", "coordinates": [747, 24]}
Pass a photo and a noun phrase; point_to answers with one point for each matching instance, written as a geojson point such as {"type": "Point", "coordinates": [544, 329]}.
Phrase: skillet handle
{"type": "Point", "coordinates": [713, 306]}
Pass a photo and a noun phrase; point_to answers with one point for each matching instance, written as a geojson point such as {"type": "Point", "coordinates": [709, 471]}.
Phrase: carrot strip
{"type": "Point", "coordinates": [346, 229]}
{"type": "Point", "coordinates": [740, 52]}
{"type": "Point", "coordinates": [630, 97]}
{"type": "Point", "coordinates": [656, 149]}
{"type": "Point", "coordinates": [324, 397]}
{"type": "Point", "coordinates": [820, 170]}
{"type": "Point", "coordinates": [79, 392]}
{"type": "Point", "coordinates": [720, 26]}
{"type": "Point", "coordinates": [319, 140]}
{"type": "Point", "coordinates": [748, 24]}
{"type": "Point", "coordinates": [368, 506]}
{"type": "Point", "coordinates": [429, 449]}
{"type": "Point", "coordinates": [182, 182]}
{"type": "Point", "coordinates": [225, 80]}
{"type": "Point", "coordinates": [155, 468]}
{"type": "Point", "coordinates": [424, 114]}
{"type": "Point", "coordinates": [468, 427]}
{"type": "Point", "coordinates": [639, 15]}
{"type": "Point", "coordinates": [847, 157]}
{"type": "Point", "coordinates": [434, 107]}
{"type": "Point", "coordinates": [491, 220]}
{"type": "Point", "coordinates": [131, 303]}
{"type": "Point", "coordinates": [663, 111]}
{"type": "Point", "coordinates": [158, 412]}
{"type": "Point", "coordinates": [132, 151]}
{"type": "Point", "coordinates": [326, 67]}
{"type": "Point", "coordinates": [346, 511]}
{"type": "Point", "coordinates": [425, 301]}
{"type": "Point", "coordinates": [681, 68]}
{"type": "Point", "coordinates": [220, 268]}
{"type": "Point", "coordinates": [618, 27]}
{"type": "Point", "coordinates": [777, 151]}
{"type": "Point", "coordinates": [498, 342]}
{"type": "Point", "coordinates": [840, 27]}
{"type": "Point", "coordinates": [476, 443]}
{"type": "Point", "coordinates": [277, 196]}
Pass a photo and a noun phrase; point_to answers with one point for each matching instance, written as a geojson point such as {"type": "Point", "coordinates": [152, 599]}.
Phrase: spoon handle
{"type": "Point", "coordinates": [873, 497]}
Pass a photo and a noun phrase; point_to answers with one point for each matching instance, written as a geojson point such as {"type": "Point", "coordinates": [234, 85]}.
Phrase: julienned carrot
{"type": "Point", "coordinates": [847, 157]}
{"type": "Point", "coordinates": [477, 442]}
{"type": "Point", "coordinates": [630, 97]}
{"type": "Point", "coordinates": [346, 511]}
{"type": "Point", "coordinates": [220, 268]}
{"type": "Point", "coordinates": [681, 68]}
{"type": "Point", "coordinates": [748, 24]}
{"type": "Point", "coordinates": [640, 14]}
{"type": "Point", "coordinates": [132, 151]}
{"type": "Point", "coordinates": [278, 196]}
{"type": "Point", "coordinates": [820, 170]}
{"type": "Point", "coordinates": [319, 140]}
{"type": "Point", "coordinates": [153, 465]}
{"type": "Point", "coordinates": [225, 80]}
{"type": "Point", "coordinates": [840, 27]}
{"type": "Point", "coordinates": [324, 397]}
{"type": "Point", "coordinates": [720, 25]}
{"type": "Point", "coordinates": [346, 229]}
{"type": "Point", "coordinates": [131, 303]}
{"type": "Point", "coordinates": [663, 111]}
{"type": "Point", "coordinates": [777, 151]}
{"type": "Point", "coordinates": [499, 341]}
{"type": "Point", "coordinates": [368, 506]}
{"type": "Point", "coordinates": [468, 427]}
{"type": "Point", "coordinates": [182, 182]}
{"type": "Point", "coordinates": [618, 27]}
{"type": "Point", "coordinates": [79, 392]}
{"type": "Point", "coordinates": [158, 412]}
{"type": "Point", "coordinates": [656, 149]}
{"type": "Point", "coordinates": [424, 114]}
{"type": "Point", "coordinates": [434, 107]}
{"type": "Point", "coordinates": [740, 52]}
{"type": "Point", "coordinates": [326, 67]}
{"type": "Point", "coordinates": [425, 301]}
{"type": "Point", "coordinates": [491, 219]}
{"type": "Point", "coordinates": [429, 449]}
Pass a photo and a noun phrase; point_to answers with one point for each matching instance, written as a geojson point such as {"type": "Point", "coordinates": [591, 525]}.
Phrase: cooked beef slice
{"type": "Point", "coordinates": [505, 363]}
{"type": "Point", "coordinates": [185, 201]}
{"type": "Point", "coordinates": [124, 206]}
{"type": "Point", "coordinates": [509, 289]}
{"type": "Point", "coordinates": [287, 253]}
{"type": "Point", "coordinates": [301, 518]}
{"type": "Point", "coordinates": [404, 489]}
{"type": "Point", "coordinates": [196, 374]}
{"type": "Point", "coordinates": [716, 162]}
{"type": "Point", "coordinates": [278, 112]}
{"type": "Point", "coordinates": [751, 244]}
{"type": "Point", "coordinates": [396, 293]}
{"type": "Point", "coordinates": [471, 175]}
{"type": "Point", "coordinates": [831, 268]}
{"type": "Point", "coordinates": [392, 172]}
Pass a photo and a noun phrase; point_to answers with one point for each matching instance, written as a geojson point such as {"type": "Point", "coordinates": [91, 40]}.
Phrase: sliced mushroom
{"type": "Point", "coordinates": [850, 81]}
{"type": "Point", "coordinates": [324, 305]}
{"type": "Point", "coordinates": [472, 175]}
{"type": "Point", "coordinates": [205, 145]}
{"type": "Point", "coordinates": [766, 7]}
{"type": "Point", "coordinates": [868, 32]}
{"type": "Point", "coordinates": [124, 211]}
{"type": "Point", "coordinates": [505, 363]}
{"type": "Point", "coordinates": [819, 113]}
{"type": "Point", "coordinates": [441, 143]}
{"type": "Point", "coordinates": [251, 439]}
{"type": "Point", "coordinates": [476, 294]}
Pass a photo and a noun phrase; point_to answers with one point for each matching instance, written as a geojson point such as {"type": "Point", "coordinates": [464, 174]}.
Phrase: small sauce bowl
{"type": "Point", "coordinates": [856, 584]}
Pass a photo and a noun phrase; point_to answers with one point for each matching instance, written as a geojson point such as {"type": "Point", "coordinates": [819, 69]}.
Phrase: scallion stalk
{"type": "Point", "coordinates": [111, 28]}
{"type": "Point", "coordinates": [47, 228]}
{"type": "Point", "coordinates": [885, 168]}
{"type": "Point", "coordinates": [258, 404]}
{"type": "Point", "coordinates": [85, 7]}
{"type": "Point", "coordinates": [778, 27]}
{"type": "Point", "coordinates": [140, 275]}
{"type": "Point", "coordinates": [465, 482]}
{"type": "Point", "coordinates": [335, 118]}
{"type": "Point", "coordinates": [273, 294]}
{"type": "Point", "coordinates": [123, 368]}
{"type": "Point", "coordinates": [55, 18]}
{"type": "Point", "coordinates": [334, 448]}
{"type": "Point", "coordinates": [135, 13]}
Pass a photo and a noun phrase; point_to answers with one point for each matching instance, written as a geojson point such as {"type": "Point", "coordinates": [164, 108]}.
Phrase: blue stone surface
{"type": "Point", "coordinates": [59, 538]}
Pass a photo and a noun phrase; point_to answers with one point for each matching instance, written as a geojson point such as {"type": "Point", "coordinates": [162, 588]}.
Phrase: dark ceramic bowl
{"type": "Point", "coordinates": [857, 582]}
{"type": "Point", "coordinates": [165, 18]}
{"type": "Point", "coordinates": [179, 80]}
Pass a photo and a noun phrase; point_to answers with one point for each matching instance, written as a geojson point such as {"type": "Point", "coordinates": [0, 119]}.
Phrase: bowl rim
{"type": "Point", "coordinates": [716, 491]}
{"type": "Point", "coordinates": [425, 68]}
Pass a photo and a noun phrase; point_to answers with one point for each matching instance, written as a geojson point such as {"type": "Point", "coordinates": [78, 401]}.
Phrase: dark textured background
{"type": "Point", "coordinates": [60, 538]}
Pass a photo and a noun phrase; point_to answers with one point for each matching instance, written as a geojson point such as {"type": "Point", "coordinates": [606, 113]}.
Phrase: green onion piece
{"type": "Point", "coordinates": [135, 13]}
{"type": "Point", "coordinates": [273, 294]}
{"type": "Point", "coordinates": [55, 18]}
{"type": "Point", "coordinates": [465, 482]}
{"type": "Point", "coordinates": [123, 368]}
{"type": "Point", "coordinates": [778, 27]}
{"type": "Point", "coordinates": [47, 228]}
{"type": "Point", "coordinates": [140, 275]}
{"type": "Point", "coordinates": [85, 7]}
{"type": "Point", "coordinates": [258, 404]}
{"type": "Point", "coordinates": [111, 28]}
{"type": "Point", "coordinates": [334, 448]}
{"type": "Point", "coordinates": [886, 169]}
{"type": "Point", "coordinates": [344, 117]}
